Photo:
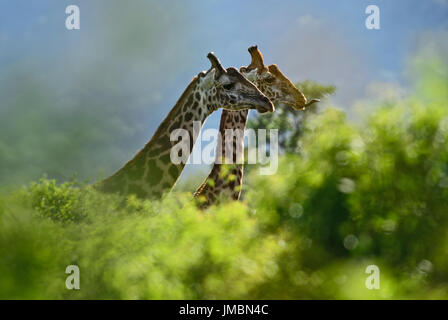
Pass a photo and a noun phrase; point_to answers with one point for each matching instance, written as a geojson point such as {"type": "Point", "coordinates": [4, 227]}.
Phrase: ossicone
{"type": "Point", "coordinates": [216, 64]}
{"type": "Point", "coordinates": [257, 59]}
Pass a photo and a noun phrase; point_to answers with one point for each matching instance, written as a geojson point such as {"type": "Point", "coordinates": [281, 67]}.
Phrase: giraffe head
{"type": "Point", "coordinates": [271, 81]}
{"type": "Point", "coordinates": [231, 90]}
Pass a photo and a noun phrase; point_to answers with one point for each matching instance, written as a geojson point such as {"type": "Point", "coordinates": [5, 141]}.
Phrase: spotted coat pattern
{"type": "Point", "coordinates": [151, 173]}
{"type": "Point", "coordinates": [225, 180]}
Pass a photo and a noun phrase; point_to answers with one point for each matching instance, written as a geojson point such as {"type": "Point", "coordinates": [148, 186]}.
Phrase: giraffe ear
{"type": "Point", "coordinates": [209, 79]}
{"type": "Point", "coordinates": [251, 75]}
{"type": "Point", "coordinates": [216, 64]}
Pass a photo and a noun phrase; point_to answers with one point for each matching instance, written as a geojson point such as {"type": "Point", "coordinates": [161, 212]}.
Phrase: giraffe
{"type": "Point", "coordinates": [151, 173]}
{"type": "Point", "coordinates": [225, 180]}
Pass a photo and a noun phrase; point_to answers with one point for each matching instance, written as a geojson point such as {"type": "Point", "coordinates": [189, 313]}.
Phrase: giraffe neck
{"type": "Point", "coordinates": [151, 172]}
{"type": "Point", "coordinates": [225, 179]}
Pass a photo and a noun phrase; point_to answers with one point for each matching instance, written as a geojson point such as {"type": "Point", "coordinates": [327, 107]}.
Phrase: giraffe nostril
{"type": "Point", "coordinates": [265, 105]}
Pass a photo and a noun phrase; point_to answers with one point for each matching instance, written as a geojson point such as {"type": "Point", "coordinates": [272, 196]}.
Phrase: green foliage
{"type": "Point", "coordinates": [132, 249]}
{"type": "Point", "coordinates": [59, 203]}
{"type": "Point", "coordinates": [289, 122]}
{"type": "Point", "coordinates": [376, 192]}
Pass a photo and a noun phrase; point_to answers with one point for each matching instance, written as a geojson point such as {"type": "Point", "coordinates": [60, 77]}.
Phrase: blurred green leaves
{"type": "Point", "coordinates": [289, 122]}
{"type": "Point", "coordinates": [59, 203]}
{"type": "Point", "coordinates": [130, 250]}
{"type": "Point", "coordinates": [371, 191]}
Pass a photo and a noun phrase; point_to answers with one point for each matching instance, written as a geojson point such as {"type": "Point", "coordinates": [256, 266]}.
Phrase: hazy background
{"type": "Point", "coordinates": [84, 101]}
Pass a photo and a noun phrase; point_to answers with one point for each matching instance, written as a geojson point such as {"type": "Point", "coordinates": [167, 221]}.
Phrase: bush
{"type": "Point", "coordinates": [132, 249]}
{"type": "Point", "coordinates": [59, 203]}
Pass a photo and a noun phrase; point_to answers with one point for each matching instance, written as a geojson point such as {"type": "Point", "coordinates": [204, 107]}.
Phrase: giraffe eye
{"type": "Point", "coordinates": [228, 86]}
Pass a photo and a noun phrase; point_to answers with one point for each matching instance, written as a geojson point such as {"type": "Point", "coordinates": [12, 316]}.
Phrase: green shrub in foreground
{"type": "Point", "coordinates": [144, 250]}
{"type": "Point", "coordinates": [59, 203]}
{"type": "Point", "coordinates": [375, 192]}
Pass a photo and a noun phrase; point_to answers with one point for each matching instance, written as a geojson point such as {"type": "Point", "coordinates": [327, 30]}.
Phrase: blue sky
{"type": "Point", "coordinates": [148, 51]}
{"type": "Point", "coordinates": [33, 29]}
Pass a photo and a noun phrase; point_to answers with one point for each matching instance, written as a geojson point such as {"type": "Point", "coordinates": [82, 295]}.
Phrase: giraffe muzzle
{"type": "Point", "coordinates": [264, 105]}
